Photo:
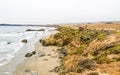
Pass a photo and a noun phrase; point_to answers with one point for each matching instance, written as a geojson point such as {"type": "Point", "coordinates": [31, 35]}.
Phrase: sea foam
{"type": "Point", "coordinates": [10, 40]}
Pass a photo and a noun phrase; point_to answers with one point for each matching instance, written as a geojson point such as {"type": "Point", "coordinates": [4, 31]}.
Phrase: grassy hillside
{"type": "Point", "coordinates": [88, 51]}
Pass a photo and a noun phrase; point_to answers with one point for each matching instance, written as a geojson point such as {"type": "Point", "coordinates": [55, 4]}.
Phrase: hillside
{"type": "Point", "coordinates": [91, 51]}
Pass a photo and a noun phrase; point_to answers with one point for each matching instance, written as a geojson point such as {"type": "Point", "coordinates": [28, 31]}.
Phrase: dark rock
{"type": "Point", "coordinates": [27, 70]}
{"type": "Point", "coordinates": [56, 69]}
{"type": "Point", "coordinates": [29, 30]}
{"type": "Point", "coordinates": [40, 40]}
{"type": "Point", "coordinates": [63, 51]}
{"type": "Point", "coordinates": [28, 55]}
{"type": "Point", "coordinates": [48, 54]}
{"type": "Point", "coordinates": [35, 30]}
{"type": "Point", "coordinates": [34, 52]}
{"type": "Point", "coordinates": [9, 42]}
{"type": "Point", "coordinates": [24, 41]}
{"type": "Point", "coordinates": [41, 29]}
{"type": "Point", "coordinates": [61, 56]}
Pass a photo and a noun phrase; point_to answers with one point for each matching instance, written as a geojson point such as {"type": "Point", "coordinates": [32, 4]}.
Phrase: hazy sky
{"type": "Point", "coordinates": [58, 11]}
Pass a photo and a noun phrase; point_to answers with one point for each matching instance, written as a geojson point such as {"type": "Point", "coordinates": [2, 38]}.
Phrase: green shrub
{"type": "Point", "coordinates": [81, 48]}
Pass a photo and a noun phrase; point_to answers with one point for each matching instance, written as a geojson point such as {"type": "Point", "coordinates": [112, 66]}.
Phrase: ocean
{"type": "Point", "coordinates": [10, 39]}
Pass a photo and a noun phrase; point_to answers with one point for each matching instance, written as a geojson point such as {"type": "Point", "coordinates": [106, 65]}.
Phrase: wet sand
{"type": "Point", "coordinates": [39, 65]}
{"type": "Point", "coordinates": [14, 65]}
{"type": "Point", "coordinates": [8, 68]}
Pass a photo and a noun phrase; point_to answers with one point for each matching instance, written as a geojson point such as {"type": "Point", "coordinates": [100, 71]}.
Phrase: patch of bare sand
{"type": "Point", "coordinates": [37, 65]}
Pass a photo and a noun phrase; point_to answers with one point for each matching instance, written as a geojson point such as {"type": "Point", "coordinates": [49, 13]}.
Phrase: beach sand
{"type": "Point", "coordinates": [19, 63]}
{"type": "Point", "coordinates": [37, 65]}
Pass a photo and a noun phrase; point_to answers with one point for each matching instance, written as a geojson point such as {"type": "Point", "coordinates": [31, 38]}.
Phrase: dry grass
{"type": "Point", "coordinates": [86, 50]}
{"type": "Point", "coordinates": [112, 26]}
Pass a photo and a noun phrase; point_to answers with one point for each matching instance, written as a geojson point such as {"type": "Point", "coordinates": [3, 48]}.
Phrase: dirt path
{"type": "Point", "coordinates": [41, 63]}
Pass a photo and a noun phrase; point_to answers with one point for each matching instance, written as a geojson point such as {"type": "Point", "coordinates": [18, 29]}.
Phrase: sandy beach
{"type": "Point", "coordinates": [20, 63]}
{"type": "Point", "coordinates": [39, 65]}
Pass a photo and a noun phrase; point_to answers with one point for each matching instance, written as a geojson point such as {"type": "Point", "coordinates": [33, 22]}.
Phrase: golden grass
{"type": "Point", "coordinates": [86, 50]}
{"type": "Point", "coordinates": [112, 26]}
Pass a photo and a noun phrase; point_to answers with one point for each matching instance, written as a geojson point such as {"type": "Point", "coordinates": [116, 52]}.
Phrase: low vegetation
{"type": "Point", "coordinates": [85, 50]}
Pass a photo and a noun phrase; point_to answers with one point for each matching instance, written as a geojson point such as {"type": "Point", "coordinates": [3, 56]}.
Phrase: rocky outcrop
{"type": "Point", "coordinates": [34, 53]}
{"type": "Point", "coordinates": [9, 42]}
{"type": "Point", "coordinates": [28, 55]}
{"type": "Point", "coordinates": [24, 41]}
{"type": "Point", "coordinates": [35, 30]}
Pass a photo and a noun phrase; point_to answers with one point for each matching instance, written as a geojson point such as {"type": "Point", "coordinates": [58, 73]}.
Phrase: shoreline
{"type": "Point", "coordinates": [10, 66]}
{"type": "Point", "coordinates": [87, 52]}
{"type": "Point", "coordinates": [19, 56]}
{"type": "Point", "coordinates": [42, 63]}
{"type": "Point", "coordinates": [39, 65]}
